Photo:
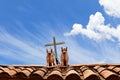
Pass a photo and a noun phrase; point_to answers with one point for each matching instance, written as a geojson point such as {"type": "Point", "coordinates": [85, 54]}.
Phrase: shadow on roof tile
{"type": "Point", "coordinates": [55, 75]}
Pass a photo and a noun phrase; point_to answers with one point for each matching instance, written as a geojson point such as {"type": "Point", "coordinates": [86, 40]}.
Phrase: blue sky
{"type": "Point", "coordinates": [89, 28]}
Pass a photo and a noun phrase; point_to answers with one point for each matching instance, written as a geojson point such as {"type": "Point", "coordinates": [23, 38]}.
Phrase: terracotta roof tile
{"type": "Point", "coordinates": [72, 75]}
{"type": "Point", "coordinates": [25, 72]}
{"type": "Point", "coordinates": [89, 74]}
{"type": "Point", "coordinates": [107, 74]}
{"type": "Point", "coordinates": [55, 75]}
{"type": "Point", "coordinates": [71, 72]}
{"type": "Point", "coordinates": [114, 68]}
{"type": "Point", "coordinates": [111, 67]}
{"type": "Point", "coordinates": [38, 74]}
{"type": "Point", "coordinates": [11, 67]}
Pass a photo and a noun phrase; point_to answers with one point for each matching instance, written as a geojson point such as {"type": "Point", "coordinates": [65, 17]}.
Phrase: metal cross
{"type": "Point", "coordinates": [55, 48]}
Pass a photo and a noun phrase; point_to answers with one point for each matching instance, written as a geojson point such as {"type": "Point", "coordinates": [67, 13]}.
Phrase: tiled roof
{"type": "Point", "coordinates": [71, 72]}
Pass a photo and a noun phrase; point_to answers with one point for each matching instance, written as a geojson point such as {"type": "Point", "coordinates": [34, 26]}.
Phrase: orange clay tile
{"type": "Point", "coordinates": [71, 72]}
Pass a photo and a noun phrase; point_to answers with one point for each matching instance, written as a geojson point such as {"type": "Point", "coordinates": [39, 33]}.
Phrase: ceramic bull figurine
{"type": "Point", "coordinates": [50, 57]}
{"type": "Point", "coordinates": [64, 56]}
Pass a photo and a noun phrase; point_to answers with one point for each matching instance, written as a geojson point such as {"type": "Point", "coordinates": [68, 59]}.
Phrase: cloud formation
{"type": "Point", "coordinates": [96, 29]}
{"type": "Point", "coordinates": [111, 7]}
{"type": "Point", "coordinates": [13, 48]}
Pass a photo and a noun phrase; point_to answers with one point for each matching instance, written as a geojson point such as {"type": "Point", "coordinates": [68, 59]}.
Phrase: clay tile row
{"type": "Point", "coordinates": [107, 74]}
{"type": "Point", "coordinates": [84, 72]}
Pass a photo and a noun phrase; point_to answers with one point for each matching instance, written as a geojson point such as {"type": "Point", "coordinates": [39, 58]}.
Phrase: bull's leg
{"type": "Point", "coordinates": [53, 63]}
{"type": "Point", "coordinates": [65, 64]}
{"type": "Point", "coordinates": [62, 63]}
{"type": "Point", "coordinates": [50, 64]}
{"type": "Point", "coordinates": [47, 64]}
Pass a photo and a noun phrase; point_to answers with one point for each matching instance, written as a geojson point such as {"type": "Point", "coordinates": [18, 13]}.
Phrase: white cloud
{"type": "Point", "coordinates": [17, 49]}
{"type": "Point", "coordinates": [78, 54]}
{"type": "Point", "coordinates": [81, 55]}
{"type": "Point", "coordinates": [96, 29]}
{"type": "Point", "coordinates": [111, 7]}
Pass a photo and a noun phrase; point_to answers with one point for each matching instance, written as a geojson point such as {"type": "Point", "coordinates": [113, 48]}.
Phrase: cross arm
{"type": "Point", "coordinates": [58, 43]}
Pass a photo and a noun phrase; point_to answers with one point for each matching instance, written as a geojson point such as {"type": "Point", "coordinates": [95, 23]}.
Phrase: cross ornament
{"type": "Point", "coordinates": [55, 48]}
